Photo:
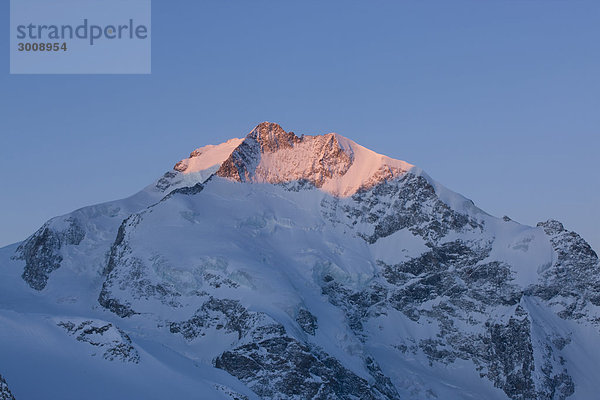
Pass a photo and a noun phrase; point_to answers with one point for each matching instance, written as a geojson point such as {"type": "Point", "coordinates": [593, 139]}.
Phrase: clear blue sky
{"type": "Point", "coordinates": [499, 101]}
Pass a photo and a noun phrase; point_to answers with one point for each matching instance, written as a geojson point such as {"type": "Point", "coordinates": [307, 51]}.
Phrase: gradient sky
{"type": "Point", "coordinates": [499, 101]}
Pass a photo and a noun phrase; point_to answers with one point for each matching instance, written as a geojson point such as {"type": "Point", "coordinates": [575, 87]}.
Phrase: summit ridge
{"type": "Point", "coordinates": [269, 154]}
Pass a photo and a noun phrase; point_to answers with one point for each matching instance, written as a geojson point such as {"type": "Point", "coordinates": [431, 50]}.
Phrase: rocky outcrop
{"type": "Point", "coordinates": [118, 251]}
{"type": "Point", "coordinates": [231, 394]}
{"type": "Point", "coordinates": [5, 393]}
{"type": "Point", "coordinates": [270, 154]}
{"type": "Point", "coordinates": [451, 287]}
{"type": "Point", "coordinates": [271, 137]}
{"type": "Point", "coordinates": [110, 341]}
{"type": "Point", "coordinates": [307, 321]}
{"type": "Point", "coordinates": [509, 356]}
{"type": "Point", "coordinates": [168, 179]}
{"type": "Point", "coordinates": [272, 363]}
{"type": "Point", "coordinates": [42, 251]}
{"type": "Point", "coordinates": [571, 285]}
{"type": "Point", "coordinates": [283, 367]}
{"type": "Point", "coordinates": [409, 201]}
{"type": "Point", "coordinates": [228, 315]}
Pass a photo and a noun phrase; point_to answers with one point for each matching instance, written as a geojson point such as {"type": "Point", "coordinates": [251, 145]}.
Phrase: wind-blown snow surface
{"type": "Point", "coordinates": [279, 266]}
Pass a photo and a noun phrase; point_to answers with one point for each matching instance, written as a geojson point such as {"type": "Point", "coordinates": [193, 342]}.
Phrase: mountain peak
{"type": "Point", "coordinates": [269, 154]}
{"type": "Point", "coordinates": [272, 137]}
{"type": "Point", "coordinates": [405, 279]}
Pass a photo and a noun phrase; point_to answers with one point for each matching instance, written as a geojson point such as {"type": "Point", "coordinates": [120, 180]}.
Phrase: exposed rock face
{"type": "Point", "coordinates": [186, 190]}
{"type": "Point", "coordinates": [268, 144]}
{"type": "Point", "coordinates": [42, 251]}
{"type": "Point", "coordinates": [225, 314]}
{"type": "Point", "coordinates": [116, 252]}
{"type": "Point", "coordinates": [282, 367]}
{"type": "Point", "coordinates": [271, 137]}
{"type": "Point", "coordinates": [113, 343]}
{"type": "Point", "coordinates": [169, 178]}
{"type": "Point", "coordinates": [408, 202]}
{"type": "Point", "coordinates": [5, 393]}
{"type": "Point", "coordinates": [307, 321]}
{"type": "Point", "coordinates": [451, 287]}
{"type": "Point", "coordinates": [571, 285]}
{"type": "Point", "coordinates": [131, 279]}
{"type": "Point", "coordinates": [510, 358]}
{"type": "Point", "coordinates": [274, 364]}
{"type": "Point", "coordinates": [233, 395]}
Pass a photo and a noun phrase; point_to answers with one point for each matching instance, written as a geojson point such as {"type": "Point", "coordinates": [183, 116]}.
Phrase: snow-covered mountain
{"type": "Point", "coordinates": [286, 267]}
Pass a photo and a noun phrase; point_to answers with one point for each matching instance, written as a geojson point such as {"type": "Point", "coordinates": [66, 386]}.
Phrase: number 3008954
{"type": "Point", "coordinates": [42, 46]}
